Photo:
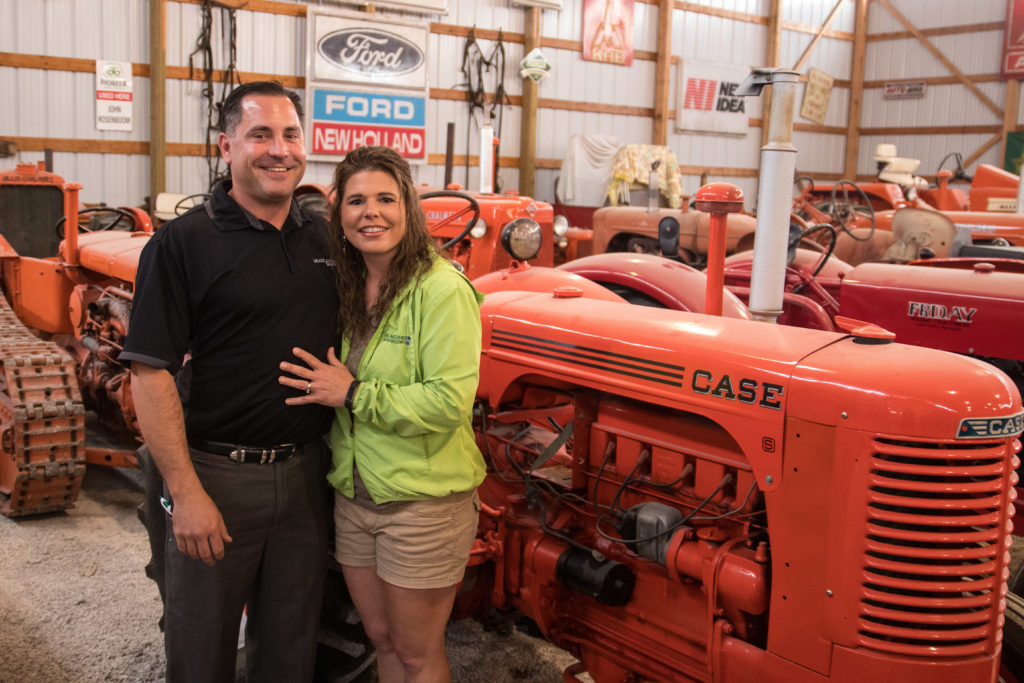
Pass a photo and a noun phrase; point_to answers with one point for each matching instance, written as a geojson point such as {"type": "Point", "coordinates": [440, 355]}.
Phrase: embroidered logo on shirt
{"type": "Point", "coordinates": [396, 339]}
{"type": "Point", "coordinates": [329, 262]}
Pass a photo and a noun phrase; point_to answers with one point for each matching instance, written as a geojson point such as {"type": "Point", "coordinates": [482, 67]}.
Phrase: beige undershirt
{"type": "Point", "coordinates": [355, 354]}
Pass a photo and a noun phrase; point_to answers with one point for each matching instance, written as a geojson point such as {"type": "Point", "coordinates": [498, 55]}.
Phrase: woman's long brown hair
{"type": "Point", "coordinates": [416, 252]}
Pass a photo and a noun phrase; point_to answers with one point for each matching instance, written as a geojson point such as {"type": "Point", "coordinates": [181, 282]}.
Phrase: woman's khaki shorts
{"type": "Point", "coordinates": [414, 544]}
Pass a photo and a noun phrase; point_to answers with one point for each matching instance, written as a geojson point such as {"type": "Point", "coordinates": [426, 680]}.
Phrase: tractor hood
{"type": "Point", "coordinates": [969, 311]}
{"type": "Point", "coordinates": [748, 377]}
{"type": "Point", "coordinates": [114, 253]}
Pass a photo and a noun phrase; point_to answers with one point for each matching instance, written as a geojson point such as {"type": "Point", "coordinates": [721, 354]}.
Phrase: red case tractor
{"type": "Point", "coordinates": [670, 495]}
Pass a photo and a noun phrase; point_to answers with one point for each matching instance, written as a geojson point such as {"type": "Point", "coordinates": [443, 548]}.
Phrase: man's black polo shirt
{"type": "Point", "coordinates": [238, 294]}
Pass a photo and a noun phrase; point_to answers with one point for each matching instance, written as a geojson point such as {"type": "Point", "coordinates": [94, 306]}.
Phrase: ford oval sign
{"type": "Point", "coordinates": [370, 52]}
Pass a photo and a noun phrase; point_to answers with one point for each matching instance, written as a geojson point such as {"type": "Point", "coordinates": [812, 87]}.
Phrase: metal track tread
{"type": "Point", "coordinates": [42, 422]}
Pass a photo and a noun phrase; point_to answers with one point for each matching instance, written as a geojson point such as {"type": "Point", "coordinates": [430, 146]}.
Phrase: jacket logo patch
{"type": "Point", "coordinates": [396, 338]}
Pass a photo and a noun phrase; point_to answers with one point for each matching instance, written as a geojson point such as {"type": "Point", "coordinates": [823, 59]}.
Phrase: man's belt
{"type": "Point", "coordinates": [264, 455]}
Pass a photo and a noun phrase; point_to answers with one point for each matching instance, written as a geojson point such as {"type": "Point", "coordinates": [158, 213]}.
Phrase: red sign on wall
{"type": "Point", "coordinates": [608, 31]}
{"type": "Point", "coordinates": [1013, 40]}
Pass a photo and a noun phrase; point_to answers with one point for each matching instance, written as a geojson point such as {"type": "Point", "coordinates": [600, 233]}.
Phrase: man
{"type": "Point", "coordinates": [236, 284]}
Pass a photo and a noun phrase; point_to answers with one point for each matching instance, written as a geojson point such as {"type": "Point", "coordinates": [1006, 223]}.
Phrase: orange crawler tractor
{"type": "Point", "coordinates": [64, 317]}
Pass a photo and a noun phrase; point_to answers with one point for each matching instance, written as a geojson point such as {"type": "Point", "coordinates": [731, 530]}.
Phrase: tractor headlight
{"type": "Point", "coordinates": [521, 238]}
{"type": "Point", "coordinates": [561, 225]}
{"type": "Point", "coordinates": [479, 229]}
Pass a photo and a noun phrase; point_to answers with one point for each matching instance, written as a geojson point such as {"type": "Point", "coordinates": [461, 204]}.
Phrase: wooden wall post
{"type": "Point", "coordinates": [1011, 106]}
{"type": "Point", "coordinates": [528, 122]}
{"type": "Point", "coordinates": [771, 58]}
{"type": "Point", "coordinates": [157, 99]}
{"type": "Point", "coordinates": [662, 75]}
{"type": "Point", "coordinates": [860, 35]}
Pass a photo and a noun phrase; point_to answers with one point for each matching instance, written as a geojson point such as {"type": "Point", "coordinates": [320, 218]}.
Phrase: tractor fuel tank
{"type": "Point", "coordinates": [632, 228]}
{"type": "Point", "coordinates": [970, 311]}
{"type": "Point", "coordinates": [113, 253]}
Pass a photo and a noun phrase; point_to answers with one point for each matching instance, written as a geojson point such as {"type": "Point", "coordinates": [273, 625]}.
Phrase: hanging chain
{"type": "Point", "coordinates": [204, 53]}
{"type": "Point", "coordinates": [474, 67]}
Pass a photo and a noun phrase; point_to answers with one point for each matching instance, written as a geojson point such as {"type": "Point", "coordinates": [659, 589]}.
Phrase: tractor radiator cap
{"type": "Point", "coordinates": [864, 333]}
{"type": "Point", "coordinates": [567, 292]}
{"type": "Point", "coordinates": [719, 198]}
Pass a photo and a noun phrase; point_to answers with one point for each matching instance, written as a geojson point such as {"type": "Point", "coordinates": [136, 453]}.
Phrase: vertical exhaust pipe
{"type": "Point", "coordinates": [774, 192]}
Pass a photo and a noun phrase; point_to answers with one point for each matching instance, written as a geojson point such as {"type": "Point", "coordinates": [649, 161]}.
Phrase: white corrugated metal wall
{"type": "Point", "coordinates": [975, 53]}
{"type": "Point", "coordinates": [51, 103]}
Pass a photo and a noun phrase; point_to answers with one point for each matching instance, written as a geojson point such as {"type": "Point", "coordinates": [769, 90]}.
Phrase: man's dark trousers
{"type": "Point", "coordinates": [275, 565]}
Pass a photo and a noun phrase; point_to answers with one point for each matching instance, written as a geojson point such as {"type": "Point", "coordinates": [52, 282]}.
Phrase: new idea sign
{"type": "Point", "coordinates": [345, 119]}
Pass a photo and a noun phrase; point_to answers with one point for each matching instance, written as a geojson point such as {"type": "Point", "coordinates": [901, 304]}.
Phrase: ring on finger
{"type": "Point", "coordinates": [309, 387]}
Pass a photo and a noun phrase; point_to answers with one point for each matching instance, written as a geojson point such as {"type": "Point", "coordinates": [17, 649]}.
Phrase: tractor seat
{"type": "Point", "coordinates": [991, 251]}
{"type": "Point", "coordinates": [916, 229]}
{"type": "Point", "coordinates": [170, 205]}
{"type": "Point", "coordinates": [898, 170]}
{"type": "Point", "coordinates": [862, 245]}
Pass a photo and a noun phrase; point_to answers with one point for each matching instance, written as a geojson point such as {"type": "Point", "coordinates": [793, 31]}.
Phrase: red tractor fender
{"type": "Point", "coordinates": [806, 259]}
{"type": "Point", "coordinates": [522, 277]}
{"type": "Point", "coordinates": [671, 284]}
{"type": "Point", "coordinates": [809, 300]}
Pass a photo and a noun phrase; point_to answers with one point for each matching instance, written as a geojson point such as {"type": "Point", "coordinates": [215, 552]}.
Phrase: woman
{"type": "Point", "coordinates": [405, 465]}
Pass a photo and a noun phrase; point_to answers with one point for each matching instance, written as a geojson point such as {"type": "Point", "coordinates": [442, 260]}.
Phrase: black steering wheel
{"type": "Point", "coordinates": [843, 209]}
{"type": "Point", "coordinates": [959, 172]}
{"type": "Point", "coordinates": [801, 238]}
{"type": "Point", "coordinates": [119, 215]}
{"type": "Point", "coordinates": [471, 206]}
{"type": "Point", "coordinates": [180, 209]}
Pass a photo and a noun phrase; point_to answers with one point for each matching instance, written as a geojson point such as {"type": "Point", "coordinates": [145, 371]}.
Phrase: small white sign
{"type": "Point", "coordinates": [816, 96]}
{"type": "Point", "coordinates": [1006, 204]}
{"type": "Point", "coordinates": [904, 90]}
{"type": "Point", "coordinates": [113, 95]}
{"type": "Point", "coordinates": [707, 99]}
{"type": "Point", "coordinates": [535, 65]}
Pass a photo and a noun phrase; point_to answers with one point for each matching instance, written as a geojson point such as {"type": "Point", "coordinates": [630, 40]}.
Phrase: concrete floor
{"type": "Point", "coordinates": [75, 604]}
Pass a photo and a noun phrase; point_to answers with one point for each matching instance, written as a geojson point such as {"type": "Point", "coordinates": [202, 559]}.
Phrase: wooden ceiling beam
{"type": "Point", "coordinates": [817, 37]}
{"type": "Point", "coordinates": [856, 90]}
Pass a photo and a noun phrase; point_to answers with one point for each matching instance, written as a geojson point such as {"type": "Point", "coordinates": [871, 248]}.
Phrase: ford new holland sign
{"type": "Point", "coordinates": [344, 119]}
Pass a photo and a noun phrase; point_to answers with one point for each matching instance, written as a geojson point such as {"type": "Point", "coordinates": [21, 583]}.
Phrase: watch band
{"type": "Point", "coordinates": [351, 393]}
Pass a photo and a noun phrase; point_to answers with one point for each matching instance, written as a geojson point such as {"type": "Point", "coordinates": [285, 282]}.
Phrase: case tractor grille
{"type": "Point", "coordinates": [933, 559]}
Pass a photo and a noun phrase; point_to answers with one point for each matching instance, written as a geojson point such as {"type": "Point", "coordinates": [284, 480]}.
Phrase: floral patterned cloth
{"type": "Point", "coordinates": [632, 164]}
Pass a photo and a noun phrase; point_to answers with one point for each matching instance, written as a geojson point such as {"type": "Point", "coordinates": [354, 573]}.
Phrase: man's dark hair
{"type": "Point", "coordinates": [231, 108]}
